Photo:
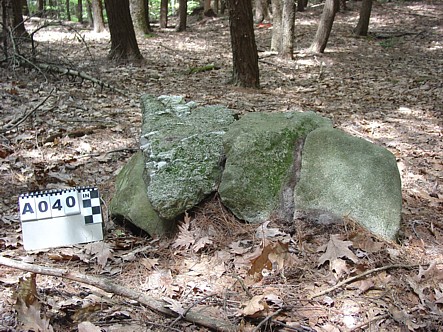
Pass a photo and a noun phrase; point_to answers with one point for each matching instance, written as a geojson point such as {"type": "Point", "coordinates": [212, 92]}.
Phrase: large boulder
{"type": "Point", "coordinates": [260, 152]}
{"type": "Point", "coordinates": [349, 176]}
{"type": "Point", "coordinates": [182, 145]}
{"type": "Point", "coordinates": [131, 201]}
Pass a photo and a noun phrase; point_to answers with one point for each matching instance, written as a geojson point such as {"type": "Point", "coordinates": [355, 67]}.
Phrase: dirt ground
{"type": "Point", "coordinates": [386, 88]}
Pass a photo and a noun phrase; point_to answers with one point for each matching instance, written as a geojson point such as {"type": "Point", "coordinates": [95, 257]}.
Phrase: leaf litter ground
{"type": "Point", "coordinates": [387, 88]}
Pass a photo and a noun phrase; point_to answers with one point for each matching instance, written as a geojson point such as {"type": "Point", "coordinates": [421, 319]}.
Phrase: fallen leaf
{"type": "Point", "coordinates": [336, 248]}
{"type": "Point", "coordinates": [174, 305]}
{"type": "Point", "coordinates": [263, 232]}
{"type": "Point", "coordinates": [254, 307]}
{"type": "Point", "coordinates": [88, 327]}
{"type": "Point", "coordinates": [201, 243]}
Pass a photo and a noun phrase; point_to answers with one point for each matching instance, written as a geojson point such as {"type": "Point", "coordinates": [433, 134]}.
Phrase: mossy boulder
{"type": "Point", "coordinates": [260, 150]}
{"type": "Point", "coordinates": [182, 145]}
{"type": "Point", "coordinates": [349, 176]}
{"type": "Point", "coordinates": [131, 200]}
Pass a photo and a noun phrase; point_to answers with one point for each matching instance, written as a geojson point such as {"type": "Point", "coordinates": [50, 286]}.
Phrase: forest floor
{"type": "Point", "coordinates": [386, 88]}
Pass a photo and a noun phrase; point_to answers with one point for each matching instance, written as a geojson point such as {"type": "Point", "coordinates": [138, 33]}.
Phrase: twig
{"type": "Point", "coordinates": [159, 306]}
{"type": "Point", "coordinates": [361, 275]}
{"type": "Point", "coordinates": [19, 121]}
{"type": "Point", "coordinates": [182, 316]}
{"type": "Point", "coordinates": [264, 321]}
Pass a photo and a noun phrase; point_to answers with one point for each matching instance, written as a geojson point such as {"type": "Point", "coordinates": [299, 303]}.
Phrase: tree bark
{"type": "Point", "coordinates": [123, 41]}
{"type": "Point", "coordinates": [261, 11]}
{"type": "Point", "coordinates": [244, 48]}
{"type": "Point", "coordinates": [97, 14]}
{"type": "Point", "coordinates": [182, 15]}
{"type": "Point", "coordinates": [288, 25]}
{"type": "Point", "coordinates": [68, 10]}
{"type": "Point", "coordinates": [163, 14]}
{"type": "Point", "coordinates": [25, 7]}
{"type": "Point", "coordinates": [276, 25]}
{"type": "Point", "coordinates": [140, 16]}
{"type": "Point", "coordinates": [363, 21]}
{"type": "Point", "coordinates": [80, 11]}
{"type": "Point", "coordinates": [324, 28]}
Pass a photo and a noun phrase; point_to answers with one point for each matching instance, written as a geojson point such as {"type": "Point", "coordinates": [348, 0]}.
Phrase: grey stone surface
{"type": "Point", "coordinates": [131, 201]}
{"type": "Point", "coordinates": [182, 144]}
{"type": "Point", "coordinates": [260, 150]}
{"type": "Point", "coordinates": [351, 177]}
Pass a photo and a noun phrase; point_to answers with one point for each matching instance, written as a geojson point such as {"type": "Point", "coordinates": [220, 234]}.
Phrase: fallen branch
{"type": "Point", "coordinates": [199, 317]}
{"type": "Point", "coordinates": [80, 74]}
{"type": "Point", "coordinates": [361, 275]}
{"type": "Point", "coordinates": [17, 122]}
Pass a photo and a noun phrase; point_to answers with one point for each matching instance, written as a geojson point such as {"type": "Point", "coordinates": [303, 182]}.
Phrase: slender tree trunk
{"type": "Point", "coordinates": [300, 5]}
{"type": "Point", "coordinates": [80, 11]}
{"type": "Point", "coordinates": [123, 41]}
{"type": "Point", "coordinates": [325, 26]}
{"type": "Point", "coordinates": [18, 25]}
{"type": "Point", "coordinates": [276, 25]}
{"type": "Point", "coordinates": [25, 7]}
{"type": "Point", "coordinates": [68, 10]}
{"type": "Point", "coordinates": [288, 25]}
{"type": "Point", "coordinates": [140, 15]}
{"type": "Point", "coordinates": [206, 5]}
{"type": "Point", "coordinates": [216, 5]}
{"type": "Point", "coordinates": [163, 14]}
{"type": "Point", "coordinates": [261, 10]}
{"type": "Point", "coordinates": [244, 48]}
{"type": "Point", "coordinates": [182, 15]}
{"type": "Point", "coordinates": [342, 5]}
{"type": "Point", "coordinates": [41, 6]}
{"type": "Point", "coordinates": [363, 21]}
{"type": "Point", "coordinates": [89, 12]}
{"type": "Point", "coordinates": [97, 14]}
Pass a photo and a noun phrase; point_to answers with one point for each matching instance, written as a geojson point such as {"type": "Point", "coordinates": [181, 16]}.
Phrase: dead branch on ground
{"type": "Point", "coordinates": [196, 316]}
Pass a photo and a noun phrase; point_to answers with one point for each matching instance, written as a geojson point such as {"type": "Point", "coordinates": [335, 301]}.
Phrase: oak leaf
{"type": "Point", "coordinates": [336, 248]}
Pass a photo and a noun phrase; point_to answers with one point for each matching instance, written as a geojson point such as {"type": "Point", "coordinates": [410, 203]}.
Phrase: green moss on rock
{"type": "Point", "coordinates": [259, 152]}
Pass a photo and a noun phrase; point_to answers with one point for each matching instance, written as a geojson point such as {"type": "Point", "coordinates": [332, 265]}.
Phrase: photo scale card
{"type": "Point", "coordinates": [56, 218]}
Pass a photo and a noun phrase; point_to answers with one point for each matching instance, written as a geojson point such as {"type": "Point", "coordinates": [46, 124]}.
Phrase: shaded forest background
{"type": "Point", "coordinates": [386, 88]}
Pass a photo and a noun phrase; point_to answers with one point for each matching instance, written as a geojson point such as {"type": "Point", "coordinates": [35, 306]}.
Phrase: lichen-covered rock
{"type": "Point", "coordinates": [131, 201]}
{"type": "Point", "coordinates": [260, 150]}
{"type": "Point", "coordinates": [351, 177]}
{"type": "Point", "coordinates": [182, 144]}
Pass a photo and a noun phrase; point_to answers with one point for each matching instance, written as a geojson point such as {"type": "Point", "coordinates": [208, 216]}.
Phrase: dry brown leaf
{"type": "Point", "coordinates": [336, 248]}
{"type": "Point", "coordinates": [254, 307]}
{"type": "Point", "coordinates": [174, 305]}
{"type": "Point", "coordinates": [339, 267]}
{"type": "Point", "coordinates": [101, 251]}
{"type": "Point", "coordinates": [238, 247]}
{"type": "Point", "coordinates": [201, 243]}
{"type": "Point", "coordinates": [88, 327]}
{"type": "Point", "coordinates": [263, 232]}
{"type": "Point", "coordinates": [185, 237]}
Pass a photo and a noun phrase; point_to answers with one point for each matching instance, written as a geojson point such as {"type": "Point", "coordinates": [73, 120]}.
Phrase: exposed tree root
{"type": "Point", "coordinates": [196, 316]}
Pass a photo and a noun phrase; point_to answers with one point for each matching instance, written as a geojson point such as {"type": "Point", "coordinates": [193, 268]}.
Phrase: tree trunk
{"type": "Point", "coordinates": [97, 14]}
{"type": "Point", "coordinates": [18, 23]}
{"type": "Point", "coordinates": [288, 23]}
{"type": "Point", "coordinates": [140, 15]}
{"type": "Point", "coordinates": [123, 41]}
{"type": "Point", "coordinates": [80, 11]}
{"type": "Point", "coordinates": [363, 21]}
{"type": "Point", "coordinates": [325, 26]}
{"type": "Point", "coordinates": [182, 15]}
{"type": "Point", "coordinates": [261, 11]}
{"type": "Point", "coordinates": [68, 10]}
{"type": "Point", "coordinates": [25, 7]}
{"type": "Point", "coordinates": [276, 25]}
{"type": "Point", "coordinates": [244, 49]}
{"type": "Point", "coordinates": [89, 12]}
{"type": "Point", "coordinates": [41, 6]}
{"type": "Point", "coordinates": [342, 5]}
{"type": "Point", "coordinates": [163, 14]}
{"type": "Point", "coordinates": [206, 5]}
